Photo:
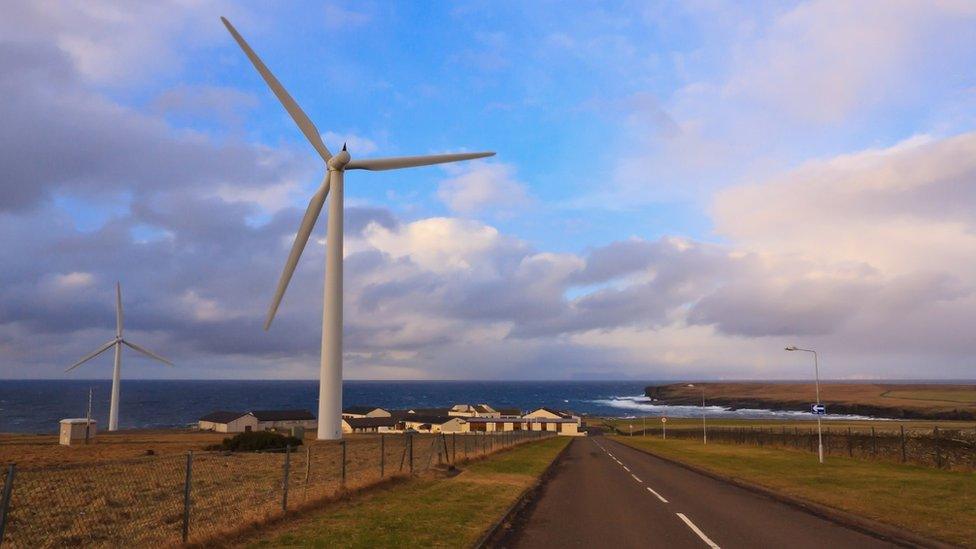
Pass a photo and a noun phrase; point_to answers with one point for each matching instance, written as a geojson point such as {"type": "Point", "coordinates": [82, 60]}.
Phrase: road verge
{"type": "Point", "coordinates": [887, 532]}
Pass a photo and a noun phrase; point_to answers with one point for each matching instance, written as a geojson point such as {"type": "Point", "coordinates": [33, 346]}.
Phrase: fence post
{"type": "Point", "coordinates": [187, 481]}
{"type": "Point", "coordinates": [8, 487]}
{"type": "Point", "coordinates": [874, 443]}
{"type": "Point", "coordinates": [285, 473]}
{"type": "Point", "coordinates": [850, 448]}
{"type": "Point", "coordinates": [308, 471]}
{"type": "Point", "coordinates": [938, 454]}
{"type": "Point", "coordinates": [342, 443]}
{"type": "Point", "coordinates": [410, 450]}
{"type": "Point", "coordinates": [382, 454]}
{"type": "Point", "coordinates": [454, 448]}
{"type": "Point", "coordinates": [903, 456]}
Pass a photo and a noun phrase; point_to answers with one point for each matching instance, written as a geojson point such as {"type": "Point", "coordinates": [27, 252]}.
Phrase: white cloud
{"type": "Point", "coordinates": [75, 280]}
{"type": "Point", "coordinates": [484, 186]}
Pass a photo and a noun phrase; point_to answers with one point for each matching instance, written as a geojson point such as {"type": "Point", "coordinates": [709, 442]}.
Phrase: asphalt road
{"type": "Point", "coordinates": [604, 494]}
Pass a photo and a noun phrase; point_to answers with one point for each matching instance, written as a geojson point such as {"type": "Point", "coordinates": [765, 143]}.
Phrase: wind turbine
{"type": "Point", "coordinates": [118, 342]}
{"type": "Point", "coordinates": [330, 376]}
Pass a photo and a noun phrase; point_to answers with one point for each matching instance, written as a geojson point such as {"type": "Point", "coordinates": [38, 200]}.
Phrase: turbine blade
{"type": "Point", "coordinates": [301, 238]}
{"type": "Point", "coordinates": [88, 357]}
{"type": "Point", "coordinates": [118, 309]}
{"type": "Point", "coordinates": [377, 164]}
{"type": "Point", "coordinates": [296, 112]}
{"type": "Point", "coordinates": [147, 352]}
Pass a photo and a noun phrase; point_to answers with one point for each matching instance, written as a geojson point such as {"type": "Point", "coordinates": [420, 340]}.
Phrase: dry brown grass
{"type": "Point", "coordinates": [138, 501]}
{"type": "Point", "coordinates": [44, 450]}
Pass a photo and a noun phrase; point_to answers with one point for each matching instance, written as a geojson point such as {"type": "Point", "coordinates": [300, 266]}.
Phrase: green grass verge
{"type": "Point", "coordinates": [937, 504]}
{"type": "Point", "coordinates": [423, 512]}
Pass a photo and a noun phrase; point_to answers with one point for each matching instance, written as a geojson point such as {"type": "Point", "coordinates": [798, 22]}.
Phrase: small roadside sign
{"type": "Point", "coordinates": [819, 409]}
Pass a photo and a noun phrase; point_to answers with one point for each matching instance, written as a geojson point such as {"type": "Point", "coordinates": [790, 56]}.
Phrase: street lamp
{"type": "Point", "coordinates": [816, 371]}
{"type": "Point", "coordinates": [704, 431]}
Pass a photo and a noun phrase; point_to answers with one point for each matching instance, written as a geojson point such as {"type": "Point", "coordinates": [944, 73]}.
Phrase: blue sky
{"type": "Point", "coordinates": [680, 188]}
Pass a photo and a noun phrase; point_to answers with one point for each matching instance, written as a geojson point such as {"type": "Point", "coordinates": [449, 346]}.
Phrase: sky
{"type": "Point", "coordinates": [680, 189]}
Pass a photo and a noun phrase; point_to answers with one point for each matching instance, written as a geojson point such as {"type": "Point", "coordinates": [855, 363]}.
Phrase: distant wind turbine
{"type": "Point", "coordinates": [330, 376]}
{"type": "Point", "coordinates": [118, 342]}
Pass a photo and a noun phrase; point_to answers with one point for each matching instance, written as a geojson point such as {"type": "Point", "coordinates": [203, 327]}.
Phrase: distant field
{"type": "Point", "coordinates": [908, 401]}
{"type": "Point", "coordinates": [653, 424]}
{"type": "Point", "coordinates": [935, 395]}
{"type": "Point", "coordinates": [44, 450]}
{"type": "Point", "coordinates": [937, 504]}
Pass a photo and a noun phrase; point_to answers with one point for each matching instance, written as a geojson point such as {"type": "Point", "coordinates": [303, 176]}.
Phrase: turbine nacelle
{"type": "Point", "coordinates": [339, 161]}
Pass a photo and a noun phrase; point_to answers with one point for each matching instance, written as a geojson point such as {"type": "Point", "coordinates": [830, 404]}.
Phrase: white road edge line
{"type": "Point", "coordinates": [659, 496]}
{"type": "Point", "coordinates": [625, 468]}
{"type": "Point", "coordinates": [695, 529]}
{"type": "Point", "coordinates": [637, 479]}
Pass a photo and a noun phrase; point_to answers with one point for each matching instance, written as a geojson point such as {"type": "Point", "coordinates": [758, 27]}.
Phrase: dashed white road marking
{"type": "Point", "coordinates": [637, 479]}
{"type": "Point", "coordinates": [659, 496]}
{"type": "Point", "coordinates": [626, 468]}
{"type": "Point", "coordinates": [696, 530]}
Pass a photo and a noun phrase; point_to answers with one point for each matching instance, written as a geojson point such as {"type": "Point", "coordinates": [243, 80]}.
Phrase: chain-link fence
{"type": "Point", "coordinates": [173, 499]}
{"type": "Point", "coordinates": [941, 448]}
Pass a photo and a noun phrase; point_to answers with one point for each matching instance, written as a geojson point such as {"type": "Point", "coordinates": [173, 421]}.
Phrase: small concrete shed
{"type": "Point", "coordinates": [73, 430]}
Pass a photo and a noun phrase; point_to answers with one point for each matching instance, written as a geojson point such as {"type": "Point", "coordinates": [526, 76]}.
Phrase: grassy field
{"type": "Point", "coordinates": [425, 512]}
{"type": "Point", "coordinates": [923, 401]}
{"type": "Point", "coordinates": [937, 504]}
{"type": "Point", "coordinates": [964, 396]}
{"type": "Point", "coordinates": [653, 424]}
{"type": "Point", "coordinates": [44, 450]}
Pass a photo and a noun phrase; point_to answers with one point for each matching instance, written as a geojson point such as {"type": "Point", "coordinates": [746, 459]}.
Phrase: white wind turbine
{"type": "Point", "coordinates": [330, 377]}
{"type": "Point", "coordinates": [118, 342]}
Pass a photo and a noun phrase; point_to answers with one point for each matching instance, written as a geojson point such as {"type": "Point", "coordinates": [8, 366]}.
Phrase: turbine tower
{"type": "Point", "coordinates": [330, 376]}
{"type": "Point", "coordinates": [118, 342]}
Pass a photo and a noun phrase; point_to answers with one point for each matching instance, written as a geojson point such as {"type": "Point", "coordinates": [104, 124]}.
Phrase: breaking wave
{"type": "Point", "coordinates": [645, 406]}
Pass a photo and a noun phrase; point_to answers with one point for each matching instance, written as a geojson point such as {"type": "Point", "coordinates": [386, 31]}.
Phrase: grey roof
{"type": "Point", "coordinates": [509, 411]}
{"type": "Point", "coordinates": [282, 415]}
{"type": "Point", "coordinates": [366, 422]}
{"type": "Point", "coordinates": [431, 411]}
{"type": "Point", "coordinates": [222, 416]}
{"type": "Point", "coordinates": [359, 409]}
{"type": "Point", "coordinates": [559, 413]}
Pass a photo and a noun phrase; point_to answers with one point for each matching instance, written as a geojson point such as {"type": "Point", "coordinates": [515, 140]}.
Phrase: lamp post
{"type": "Point", "coordinates": [704, 431]}
{"type": "Point", "coordinates": [816, 372]}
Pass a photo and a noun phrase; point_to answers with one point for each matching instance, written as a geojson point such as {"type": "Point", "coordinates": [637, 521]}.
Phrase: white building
{"type": "Point", "coordinates": [257, 420]}
{"type": "Point", "coordinates": [77, 430]}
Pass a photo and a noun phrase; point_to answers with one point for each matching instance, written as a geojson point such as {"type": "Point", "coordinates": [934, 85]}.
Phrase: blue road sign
{"type": "Point", "coordinates": [819, 409]}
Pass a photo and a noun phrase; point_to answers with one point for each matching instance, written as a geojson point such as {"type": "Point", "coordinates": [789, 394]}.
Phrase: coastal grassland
{"type": "Point", "coordinates": [653, 424]}
{"type": "Point", "coordinates": [43, 450]}
{"type": "Point", "coordinates": [935, 503]}
{"type": "Point", "coordinates": [423, 512]}
{"type": "Point", "coordinates": [950, 395]}
{"type": "Point", "coordinates": [916, 400]}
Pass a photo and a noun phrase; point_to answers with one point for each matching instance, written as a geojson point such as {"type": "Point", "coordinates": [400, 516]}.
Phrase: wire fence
{"type": "Point", "coordinates": [194, 497]}
{"type": "Point", "coordinates": [953, 449]}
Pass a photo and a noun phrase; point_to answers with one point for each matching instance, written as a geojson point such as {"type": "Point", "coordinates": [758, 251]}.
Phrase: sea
{"type": "Point", "coordinates": [36, 406]}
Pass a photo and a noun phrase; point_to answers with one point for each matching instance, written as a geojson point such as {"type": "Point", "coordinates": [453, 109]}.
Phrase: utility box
{"type": "Point", "coordinates": [298, 432]}
{"type": "Point", "coordinates": [73, 431]}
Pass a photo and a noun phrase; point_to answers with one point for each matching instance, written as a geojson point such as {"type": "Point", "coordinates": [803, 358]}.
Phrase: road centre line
{"type": "Point", "coordinates": [637, 479]}
{"type": "Point", "coordinates": [659, 496]}
{"type": "Point", "coordinates": [696, 530]}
